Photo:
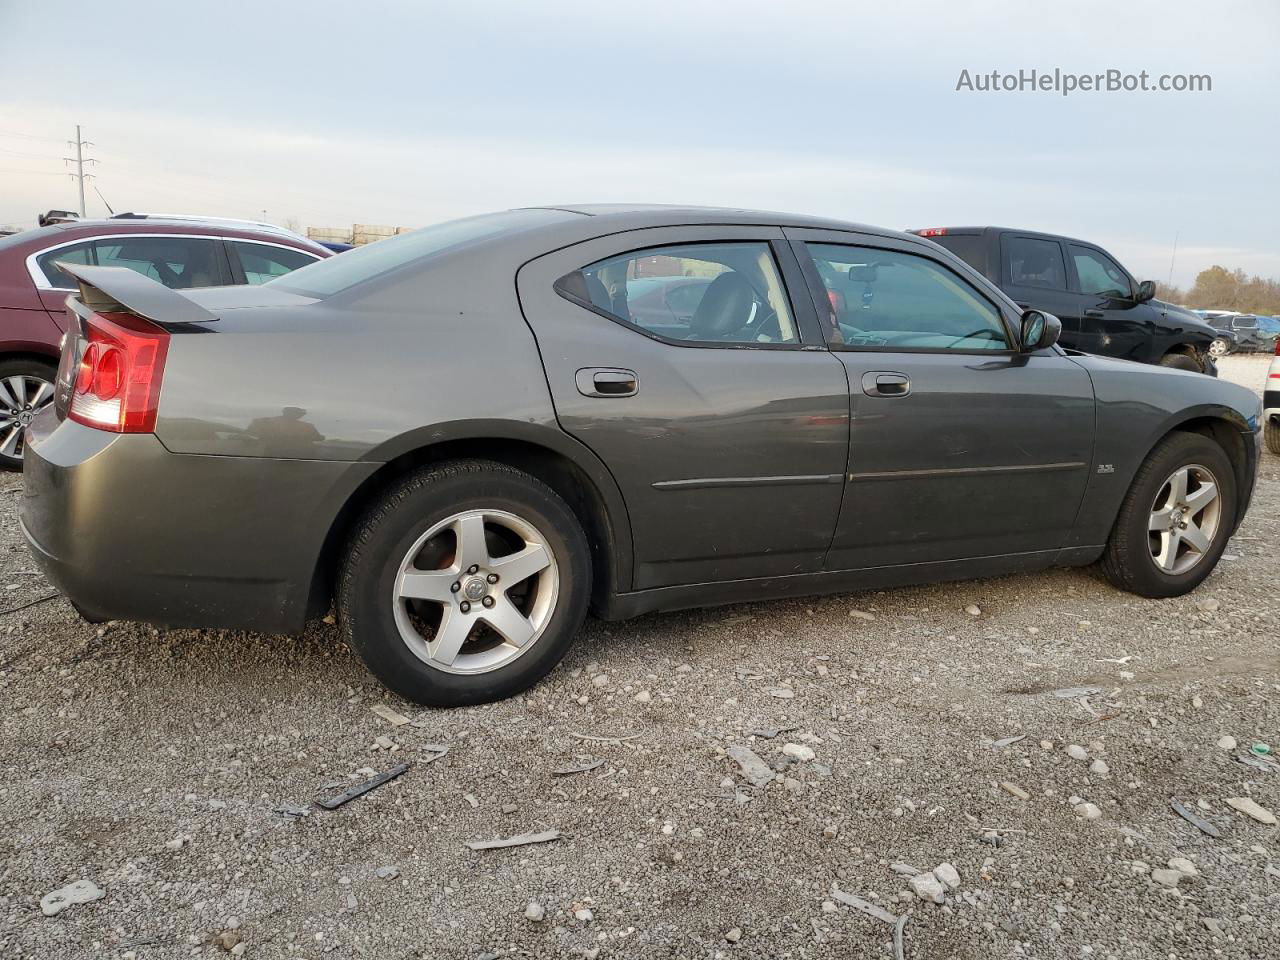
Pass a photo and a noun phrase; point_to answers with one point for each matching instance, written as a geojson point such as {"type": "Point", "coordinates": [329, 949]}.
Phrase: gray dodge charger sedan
{"type": "Point", "coordinates": [464, 437]}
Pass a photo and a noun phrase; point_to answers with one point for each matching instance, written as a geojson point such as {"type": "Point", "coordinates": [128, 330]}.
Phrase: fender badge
{"type": "Point", "coordinates": [1106, 468]}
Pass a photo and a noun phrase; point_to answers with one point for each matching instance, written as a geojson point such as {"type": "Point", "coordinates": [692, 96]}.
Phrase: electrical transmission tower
{"type": "Point", "coordinates": [79, 160]}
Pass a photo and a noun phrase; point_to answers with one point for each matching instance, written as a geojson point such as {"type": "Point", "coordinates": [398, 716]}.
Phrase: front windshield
{"type": "Point", "coordinates": [326, 277]}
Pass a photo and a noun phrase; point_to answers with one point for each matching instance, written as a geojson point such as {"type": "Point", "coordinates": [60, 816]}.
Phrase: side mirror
{"type": "Point", "coordinates": [1146, 290]}
{"type": "Point", "coordinates": [1039, 330]}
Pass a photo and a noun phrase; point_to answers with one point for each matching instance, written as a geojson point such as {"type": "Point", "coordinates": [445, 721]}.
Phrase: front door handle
{"type": "Point", "coordinates": [885, 383]}
{"type": "Point", "coordinates": [607, 382]}
{"type": "Point", "coordinates": [1094, 314]}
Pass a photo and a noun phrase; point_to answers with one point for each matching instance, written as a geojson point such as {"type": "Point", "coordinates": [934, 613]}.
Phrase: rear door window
{"type": "Point", "coordinates": [81, 253]}
{"type": "Point", "coordinates": [1034, 262]}
{"type": "Point", "coordinates": [729, 293]}
{"type": "Point", "coordinates": [262, 261]}
{"type": "Point", "coordinates": [176, 262]}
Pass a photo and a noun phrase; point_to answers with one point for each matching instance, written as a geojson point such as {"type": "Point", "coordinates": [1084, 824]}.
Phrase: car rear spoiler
{"type": "Point", "coordinates": [108, 289]}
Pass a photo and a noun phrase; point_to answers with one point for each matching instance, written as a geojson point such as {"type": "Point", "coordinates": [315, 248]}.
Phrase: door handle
{"type": "Point", "coordinates": [607, 382]}
{"type": "Point", "coordinates": [1094, 314]}
{"type": "Point", "coordinates": [885, 383]}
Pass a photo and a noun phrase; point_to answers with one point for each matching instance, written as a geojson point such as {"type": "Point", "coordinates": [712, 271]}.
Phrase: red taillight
{"type": "Point", "coordinates": [1278, 346]}
{"type": "Point", "coordinates": [932, 232]}
{"type": "Point", "coordinates": [117, 385]}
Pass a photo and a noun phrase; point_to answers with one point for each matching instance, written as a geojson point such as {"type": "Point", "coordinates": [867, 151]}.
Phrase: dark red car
{"type": "Point", "coordinates": [178, 252]}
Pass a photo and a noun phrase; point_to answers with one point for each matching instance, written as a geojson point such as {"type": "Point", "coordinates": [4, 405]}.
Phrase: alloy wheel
{"type": "Point", "coordinates": [21, 398]}
{"type": "Point", "coordinates": [1184, 519]}
{"type": "Point", "coordinates": [475, 591]}
{"type": "Point", "coordinates": [1218, 348]}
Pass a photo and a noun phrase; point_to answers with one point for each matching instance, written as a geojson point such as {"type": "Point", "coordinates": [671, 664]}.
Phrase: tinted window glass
{"type": "Point", "coordinates": [1035, 263]}
{"type": "Point", "coordinates": [724, 292]}
{"type": "Point", "coordinates": [1098, 273]}
{"type": "Point", "coordinates": [177, 262]}
{"type": "Point", "coordinates": [262, 262]}
{"type": "Point", "coordinates": [971, 249]}
{"type": "Point", "coordinates": [888, 300]}
{"type": "Point", "coordinates": [324, 278]}
{"type": "Point", "coordinates": [77, 253]}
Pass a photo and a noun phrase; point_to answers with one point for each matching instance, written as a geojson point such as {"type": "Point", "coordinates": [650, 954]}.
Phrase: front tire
{"type": "Point", "coordinates": [1175, 520]}
{"type": "Point", "coordinates": [1220, 347]}
{"type": "Point", "coordinates": [1180, 361]}
{"type": "Point", "coordinates": [465, 583]}
{"type": "Point", "coordinates": [26, 388]}
{"type": "Point", "coordinates": [1271, 434]}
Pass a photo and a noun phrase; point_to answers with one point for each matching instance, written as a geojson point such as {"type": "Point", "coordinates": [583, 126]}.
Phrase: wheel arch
{"type": "Point", "coordinates": [1227, 428]}
{"type": "Point", "coordinates": [559, 461]}
{"type": "Point", "coordinates": [35, 353]}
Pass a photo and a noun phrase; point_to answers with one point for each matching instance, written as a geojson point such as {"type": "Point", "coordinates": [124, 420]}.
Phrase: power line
{"type": "Point", "coordinates": [27, 136]}
{"type": "Point", "coordinates": [79, 160]}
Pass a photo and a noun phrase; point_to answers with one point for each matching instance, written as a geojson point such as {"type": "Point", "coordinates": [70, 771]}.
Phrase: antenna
{"type": "Point", "coordinates": [103, 199]}
{"type": "Point", "coordinates": [1173, 258]}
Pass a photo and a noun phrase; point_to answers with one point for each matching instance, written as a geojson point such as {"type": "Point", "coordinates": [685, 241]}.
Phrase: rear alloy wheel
{"type": "Point", "coordinates": [1220, 347]}
{"type": "Point", "coordinates": [26, 388]}
{"type": "Point", "coordinates": [466, 583]}
{"type": "Point", "coordinates": [1175, 519]}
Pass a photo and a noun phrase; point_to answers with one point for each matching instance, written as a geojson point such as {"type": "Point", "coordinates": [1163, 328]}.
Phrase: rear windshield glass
{"type": "Point", "coordinates": [970, 249]}
{"type": "Point", "coordinates": [326, 277]}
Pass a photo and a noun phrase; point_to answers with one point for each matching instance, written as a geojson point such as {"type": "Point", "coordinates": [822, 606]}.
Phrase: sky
{"type": "Point", "coordinates": [332, 113]}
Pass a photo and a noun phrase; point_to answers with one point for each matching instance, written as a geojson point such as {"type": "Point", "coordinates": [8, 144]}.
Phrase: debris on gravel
{"type": "Point", "coordinates": [1250, 808]}
{"type": "Point", "coordinates": [79, 891]}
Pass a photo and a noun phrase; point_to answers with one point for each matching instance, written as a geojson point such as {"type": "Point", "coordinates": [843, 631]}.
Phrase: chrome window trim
{"type": "Point", "coordinates": [42, 282]}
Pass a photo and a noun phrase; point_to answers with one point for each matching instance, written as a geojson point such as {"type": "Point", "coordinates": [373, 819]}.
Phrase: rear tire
{"type": "Point", "coordinates": [26, 388]}
{"type": "Point", "coordinates": [1271, 434]}
{"type": "Point", "coordinates": [1180, 361]}
{"type": "Point", "coordinates": [422, 594]}
{"type": "Point", "coordinates": [1128, 560]}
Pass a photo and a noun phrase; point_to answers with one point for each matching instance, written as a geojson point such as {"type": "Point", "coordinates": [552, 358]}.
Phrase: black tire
{"type": "Point", "coordinates": [389, 529]}
{"type": "Point", "coordinates": [30, 370]}
{"type": "Point", "coordinates": [1271, 434]}
{"type": "Point", "coordinates": [1180, 361]}
{"type": "Point", "coordinates": [1127, 560]}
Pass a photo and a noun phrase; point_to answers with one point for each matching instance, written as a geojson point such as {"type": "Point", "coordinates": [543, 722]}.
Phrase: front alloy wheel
{"type": "Point", "coordinates": [1219, 347]}
{"type": "Point", "coordinates": [1175, 518]}
{"type": "Point", "coordinates": [1184, 519]}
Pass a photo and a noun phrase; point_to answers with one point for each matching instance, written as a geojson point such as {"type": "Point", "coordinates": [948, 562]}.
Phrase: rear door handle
{"type": "Point", "coordinates": [885, 383]}
{"type": "Point", "coordinates": [1094, 314]}
{"type": "Point", "coordinates": [607, 382]}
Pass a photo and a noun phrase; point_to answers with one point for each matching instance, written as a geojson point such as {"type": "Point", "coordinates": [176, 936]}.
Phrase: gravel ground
{"type": "Point", "coordinates": [153, 764]}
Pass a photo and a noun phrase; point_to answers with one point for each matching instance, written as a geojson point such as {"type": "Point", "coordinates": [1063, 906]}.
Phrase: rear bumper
{"type": "Point", "coordinates": [127, 530]}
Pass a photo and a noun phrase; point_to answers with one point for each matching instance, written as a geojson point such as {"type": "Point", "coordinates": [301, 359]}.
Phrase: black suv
{"type": "Point", "coordinates": [1101, 308]}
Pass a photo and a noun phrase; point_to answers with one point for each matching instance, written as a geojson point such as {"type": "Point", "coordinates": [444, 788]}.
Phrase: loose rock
{"type": "Point", "coordinates": [948, 875]}
{"type": "Point", "coordinates": [799, 751]}
{"type": "Point", "coordinates": [927, 887]}
{"type": "Point", "coordinates": [81, 891]}
{"type": "Point", "coordinates": [1251, 809]}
